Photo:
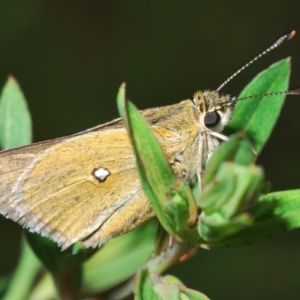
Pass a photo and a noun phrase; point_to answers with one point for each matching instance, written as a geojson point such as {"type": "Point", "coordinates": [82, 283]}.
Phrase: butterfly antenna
{"type": "Point", "coordinates": [291, 92]}
{"type": "Point", "coordinates": [277, 43]}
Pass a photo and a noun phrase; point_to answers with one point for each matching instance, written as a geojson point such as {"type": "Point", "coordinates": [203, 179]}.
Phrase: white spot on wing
{"type": "Point", "coordinates": [101, 174]}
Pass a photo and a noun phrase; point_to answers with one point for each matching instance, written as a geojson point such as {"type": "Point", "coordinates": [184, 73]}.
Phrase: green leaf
{"type": "Point", "coordinates": [151, 286]}
{"type": "Point", "coordinates": [232, 184]}
{"type": "Point", "coordinates": [118, 260]}
{"type": "Point", "coordinates": [4, 283]}
{"type": "Point", "coordinates": [44, 288]}
{"type": "Point", "coordinates": [237, 150]}
{"type": "Point", "coordinates": [144, 286]}
{"type": "Point", "coordinates": [172, 282]}
{"type": "Point", "coordinates": [172, 201]}
{"type": "Point", "coordinates": [21, 283]}
{"type": "Point", "coordinates": [258, 116]}
{"type": "Point", "coordinates": [65, 266]}
{"type": "Point", "coordinates": [273, 213]}
{"type": "Point", "coordinates": [54, 259]}
{"type": "Point", "coordinates": [194, 295]}
{"type": "Point", "coordinates": [15, 121]}
{"type": "Point", "coordinates": [232, 189]}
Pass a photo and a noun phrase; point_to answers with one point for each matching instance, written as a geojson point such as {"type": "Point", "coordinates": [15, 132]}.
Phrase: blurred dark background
{"type": "Point", "coordinates": [71, 56]}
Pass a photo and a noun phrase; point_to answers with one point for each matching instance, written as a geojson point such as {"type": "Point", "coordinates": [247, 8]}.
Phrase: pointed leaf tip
{"type": "Point", "coordinates": [11, 77]}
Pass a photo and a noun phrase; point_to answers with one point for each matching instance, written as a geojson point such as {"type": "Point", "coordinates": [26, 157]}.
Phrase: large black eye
{"type": "Point", "coordinates": [211, 119]}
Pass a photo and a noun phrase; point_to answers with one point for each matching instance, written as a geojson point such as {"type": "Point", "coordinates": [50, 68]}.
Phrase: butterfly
{"type": "Point", "coordinates": [85, 187]}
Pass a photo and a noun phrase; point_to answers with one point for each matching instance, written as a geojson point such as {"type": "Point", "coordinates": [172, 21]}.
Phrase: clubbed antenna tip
{"type": "Point", "coordinates": [294, 92]}
{"type": "Point", "coordinates": [274, 45]}
{"type": "Point", "coordinates": [292, 34]}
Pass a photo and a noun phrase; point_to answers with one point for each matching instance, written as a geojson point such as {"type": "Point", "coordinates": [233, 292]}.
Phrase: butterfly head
{"type": "Point", "coordinates": [215, 110]}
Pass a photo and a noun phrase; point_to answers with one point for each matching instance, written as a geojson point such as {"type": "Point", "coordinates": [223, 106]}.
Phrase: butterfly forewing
{"type": "Point", "coordinates": [70, 167]}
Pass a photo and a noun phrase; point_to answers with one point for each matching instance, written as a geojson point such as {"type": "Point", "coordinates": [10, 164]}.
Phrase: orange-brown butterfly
{"type": "Point", "coordinates": [85, 187]}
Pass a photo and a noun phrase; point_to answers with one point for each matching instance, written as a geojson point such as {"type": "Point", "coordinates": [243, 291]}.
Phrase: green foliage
{"type": "Point", "coordinates": [227, 194]}
{"type": "Point", "coordinates": [153, 287]}
{"type": "Point", "coordinates": [272, 213]}
{"type": "Point", "coordinates": [15, 121]}
{"type": "Point", "coordinates": [258, 116]}
{"type": "Point", "coordinates": [233, 209]}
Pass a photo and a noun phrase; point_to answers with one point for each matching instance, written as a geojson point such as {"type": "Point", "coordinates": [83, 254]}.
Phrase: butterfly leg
{"type": "Point", "coordinates": [201, 161]}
